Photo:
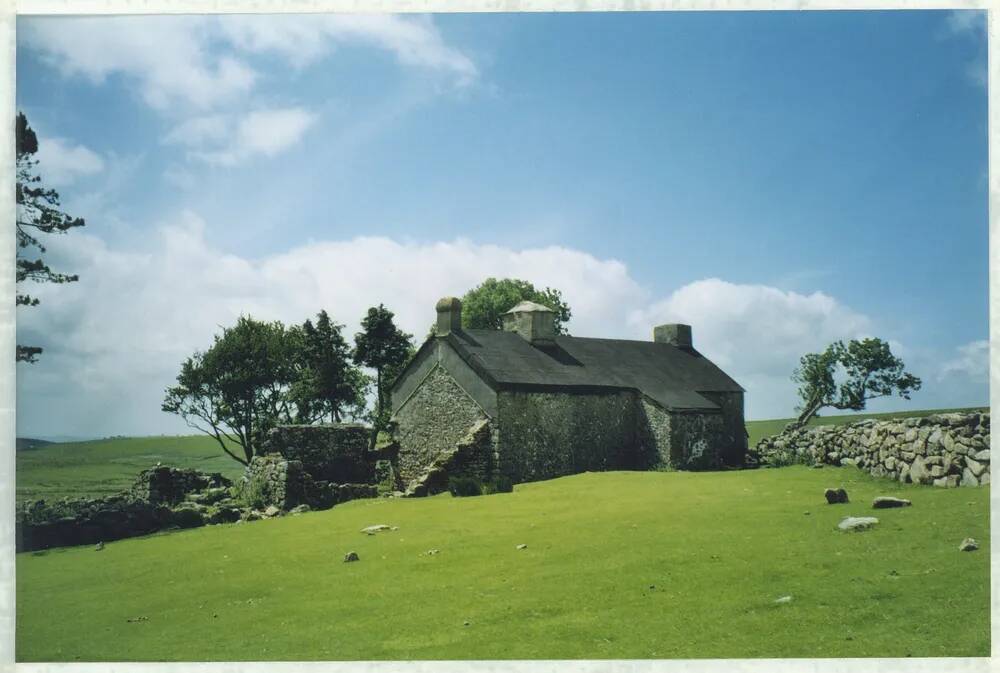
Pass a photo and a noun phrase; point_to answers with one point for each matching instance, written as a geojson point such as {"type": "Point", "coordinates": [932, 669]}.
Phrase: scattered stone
{"type": "Point", "coordinates": [968, 544]}
{"type": "Point", "coordinates": [371, 530]}
{"type": "Point", "coordinates": [271, 511]}
{"type": "Point", "coordinates": [351, 556]}
{"type": "Point", "coordinates": [99, 546]}
{"type": "Point", "coordinates": [806, 513]}
{"type": "Point", "coordinates": [888, 501]}
{"type": "Point", "coordinates": [466, 623]}
{"type": "Point", "coordinates": [835, 496]}
{"type": "Point", "coordinates": [857, 523]}
{"type": "Point", "coordinates": [783, 600]}
{"type": "Point", "coordinates": [950, 481]}
{"type": "Point", "coordinates": [522, 546]}
{"type": "Point", "coordinates": [432, 552]}
{"type": "Point", "coordinates": [817, 465]}
{"type": "Point", "coordinates": [299, 509]}
{"type": "Point", "coordinates": [133, 620]}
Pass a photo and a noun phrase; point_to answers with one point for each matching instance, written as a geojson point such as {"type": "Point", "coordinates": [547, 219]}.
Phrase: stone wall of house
{"type": "Point", "coordinates": [334, 453]}
{"type": "Point", "coordinates": [435, 417]}
{"type": "Point", "coordinates": [544, 435]}
{"type": "Point", "coordinates": [654, 432]}
{"type": "Point", "coordinates": [941, 449]}
{"type": "Point", "coordinates": [697, 440]}
{"type": "Point", "coordinates": [731, 443]}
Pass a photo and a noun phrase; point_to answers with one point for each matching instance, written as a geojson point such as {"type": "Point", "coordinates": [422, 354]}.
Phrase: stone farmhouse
{"type": "Point", "coordinates": [526, 403]}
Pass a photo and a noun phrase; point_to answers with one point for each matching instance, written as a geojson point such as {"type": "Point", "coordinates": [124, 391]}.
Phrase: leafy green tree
{"type": "Point", "coordinates": [483, 305]}
{"type": "Point", "coordinates": [329, 384]}
{"type": "Point", "coordinates": [383, 347]}
{"type": "Point", "coordinates": [37, 213]}
{"type": "Point", "coordinates": [867, 369]}
{"type": "Point", "coordinates": [239, 388]}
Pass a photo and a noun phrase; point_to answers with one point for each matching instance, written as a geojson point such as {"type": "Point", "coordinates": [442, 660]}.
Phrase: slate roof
{"type": "Point", "coordinates": [673, 377]}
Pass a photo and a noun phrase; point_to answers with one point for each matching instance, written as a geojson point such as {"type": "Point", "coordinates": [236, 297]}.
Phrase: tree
{"type": "Point", "coordinates": [329, 382]}
{"type": "Point", "coordinates": [37, 213]}
{"type": "Point", "coordinates": [383, 347]}
{"type": "Point", "coordinates": [483, 306]}
{"type": "Point", "coordinates": [867, 369]}
{"type": "Point", "coordinates": [239, 388]}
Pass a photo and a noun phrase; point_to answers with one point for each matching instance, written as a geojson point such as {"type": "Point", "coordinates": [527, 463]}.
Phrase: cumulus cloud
{"type": "Point", "coordinates": [61, 161]}
{"type": "Point", "coordinates": [757, 333]}
{"type": "Point", "coordinates": [971, 360]}
{"type": "Point", "coordinates": [228, 140]}
{"type": "Point", "coordinates": [115, 339]}
{"type": "Point", "coordinates": [168, 57]}
{"type": "Point", "coordinates": [201, 61]}
{"type": "Point", "coordinates": [302, 39]}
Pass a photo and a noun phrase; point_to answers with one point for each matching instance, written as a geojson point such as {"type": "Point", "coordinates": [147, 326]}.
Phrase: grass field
{"type": "Point", "coordinates": [618, 565]}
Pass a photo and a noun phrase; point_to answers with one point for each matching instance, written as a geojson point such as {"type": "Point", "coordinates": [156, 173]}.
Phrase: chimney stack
{"type": "Point", "coordinates": [674, 334]}
{"type": "Point", "coordinates": [449, 316]}
{"type": "Point", "coordinates": [534, 322]}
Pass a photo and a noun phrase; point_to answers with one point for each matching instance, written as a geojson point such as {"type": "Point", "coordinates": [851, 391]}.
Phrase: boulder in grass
{"type": "Point", "coordinates": [377, 528]}
{"type": "Point", "coordinates": [888, 501]}
{"type": "Point", "coordinates": [351, 556]}
{"type": "Point", "coordinates": [968, 544]}
{"type": "Point", "coordinates": [857, 523]}
{"type": "Point", "coordinates": [835, 496]}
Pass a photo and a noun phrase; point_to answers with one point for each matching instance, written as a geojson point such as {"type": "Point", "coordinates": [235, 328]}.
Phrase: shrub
{"type": "Point", "coordinates": [500, 484]}
{"type": "Point", "coordinates": [464, 486]}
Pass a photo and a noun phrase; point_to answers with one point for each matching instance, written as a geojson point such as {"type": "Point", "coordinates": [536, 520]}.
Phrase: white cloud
{"type": "Point", "coordinates": [227, 140]}
{"type": "Point", "coordinates": [201, 61]}
{"type": "Point", "coordinates": [972, 361]}
{"type": "Point", "coordinates": [168, 57]}
{"type": "Point", "coordinates": [61, 162]}
{"type": "Point", "coordinates": [757, 333]}
{"type": "Point", "coordinates": [115, 339]}
{"type": "Point", "coordinates": [964, 22]}
{"type": "Point", "coordinates": [304, 38]}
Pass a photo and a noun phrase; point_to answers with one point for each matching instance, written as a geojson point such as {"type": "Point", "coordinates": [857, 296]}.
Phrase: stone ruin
{"type": "Point", "coordinates": [301, 468]}
{"type": "Point", "coordinates": [944, 450]}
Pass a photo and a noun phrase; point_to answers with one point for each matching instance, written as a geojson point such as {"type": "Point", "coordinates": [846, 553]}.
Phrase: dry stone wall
{"type": "Point", "coordinates": [942, 449]}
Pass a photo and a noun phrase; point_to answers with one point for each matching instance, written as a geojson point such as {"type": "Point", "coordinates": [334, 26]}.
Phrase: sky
{"type": "Point", "coordinates": [778, 180]}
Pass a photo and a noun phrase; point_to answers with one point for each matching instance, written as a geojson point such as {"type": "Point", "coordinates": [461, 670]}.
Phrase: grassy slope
{"type": "Point", "coordinates": [717, 547]}
{"type": "Point", "coordinates": [104, 467]}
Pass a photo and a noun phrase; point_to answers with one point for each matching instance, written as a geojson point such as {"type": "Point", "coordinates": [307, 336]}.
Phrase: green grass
{"type": "Point", "coordinates": [760, 429]}
{"type": "Point", "coordinates": [618, 565]}
{"type": "Point", "coordinates": [104, 467]}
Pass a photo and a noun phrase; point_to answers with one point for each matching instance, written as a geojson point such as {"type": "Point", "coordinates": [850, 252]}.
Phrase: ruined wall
{"type": "Point", "coordinates": [327, 452]}
{"type": "Point", "coordinates": [941, 449]}
{"type": "Point", "coordinates": [433, 419]}
{"type": "Point", "coordinates": [546, 435]}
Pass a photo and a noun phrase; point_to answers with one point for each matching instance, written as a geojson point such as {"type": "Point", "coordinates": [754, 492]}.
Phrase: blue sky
{"type": "Point", "coordinates": [777, 179]}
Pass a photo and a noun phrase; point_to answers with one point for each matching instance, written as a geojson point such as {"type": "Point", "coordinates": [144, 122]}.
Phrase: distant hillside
{"type": "Point", "coordinates": [24, 443]}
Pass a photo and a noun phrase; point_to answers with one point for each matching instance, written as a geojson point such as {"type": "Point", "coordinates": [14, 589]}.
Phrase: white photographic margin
{"type": "Point", "coordinates": [10, 8]}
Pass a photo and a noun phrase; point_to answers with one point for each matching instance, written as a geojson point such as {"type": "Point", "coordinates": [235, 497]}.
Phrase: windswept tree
{"type": "Point", "coordinates": [38, 212]}
{"type": "Point", "coordinates": [483, 305]}
{"type": "Point", "coordinates": [239, 389]}
{"type": "Point", "coordinates": [846, 376]}
{"type": "Point", "coordinates": [329, 383]}
{"type": "Point", "coordinates": [385, 348]}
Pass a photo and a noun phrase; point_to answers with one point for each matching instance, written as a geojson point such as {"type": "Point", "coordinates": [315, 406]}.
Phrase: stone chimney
{"type": "Point", "coordinates": [449, 316]}
{"type": "Point", "coordinates": [675, 334]}
{"type": "Point", "coordinates": [534, 322]}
